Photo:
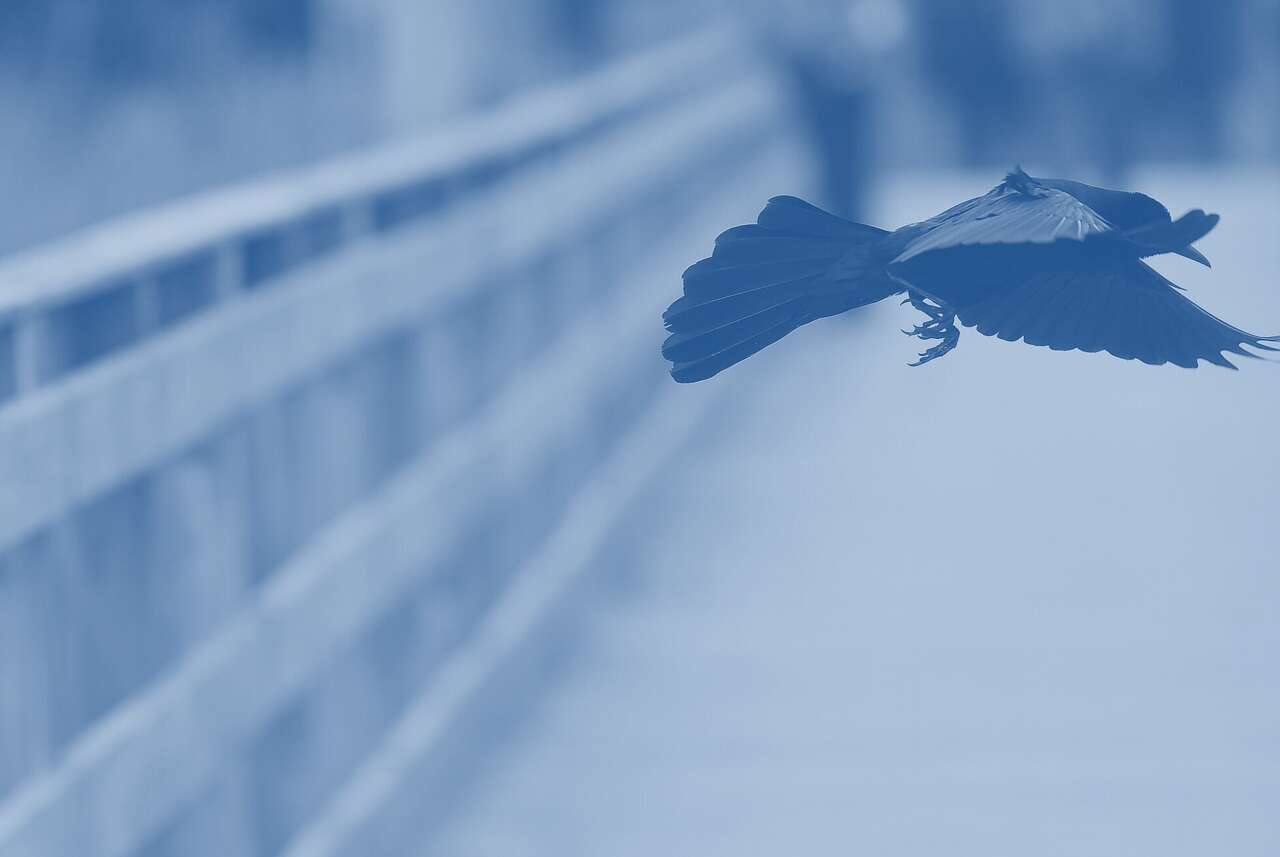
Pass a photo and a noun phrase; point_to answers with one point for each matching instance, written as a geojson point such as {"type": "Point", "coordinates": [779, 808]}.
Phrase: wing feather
{"type": "Point", "coordinates": [1048, 322]}
{"type": "Point", "coordinates": [1012, 329]}
{"type": "Point", "coordinates": [1047, 312]}
{"type": "Point", "coordinates": [1130, 311]}
{"type": "Point", "coordinates": [1009, 216]}
{"type": "Point", "coordinates": [994, 311]}
{"type": "Point", "coordinates": [1060, 335]}
{"type": "Point", "coordinates": [1091, 331]}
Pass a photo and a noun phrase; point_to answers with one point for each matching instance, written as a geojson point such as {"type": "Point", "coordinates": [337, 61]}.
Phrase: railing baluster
{"type": "Point", "coordinates": [357, 220]}
{"type": "Point", "coordinates": [8, 362]}
{"type": "Point", "coordinates": [228, 269]}
{"type": "Point", "coordinates": [366, 393]}
{"type": "Point", "coordinates": [146, 305]}
{"type": "Point", "coordinates": [32, 350]}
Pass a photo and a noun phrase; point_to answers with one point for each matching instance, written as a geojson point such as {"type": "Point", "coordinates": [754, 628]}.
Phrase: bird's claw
{"type": "Point", "coordinates": [930, 330]}
{"type": "Point", "coordinates": [949, 341]}
{"type": "Point", "coordinates": [940, 326]}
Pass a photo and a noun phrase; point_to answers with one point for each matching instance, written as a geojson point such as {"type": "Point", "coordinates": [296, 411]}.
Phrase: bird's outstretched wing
{"type": "Point", "coordinates": [1130, 311]}
{"type": "Point", "coordinates": [1011, 213]}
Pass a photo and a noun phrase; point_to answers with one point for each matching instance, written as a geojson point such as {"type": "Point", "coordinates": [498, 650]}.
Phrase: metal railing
{"type": "Point", "coordinates": [208, 623]}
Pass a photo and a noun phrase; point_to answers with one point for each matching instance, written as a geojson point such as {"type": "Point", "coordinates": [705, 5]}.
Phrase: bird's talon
{"type": "Point", "coordinates": [940, 326]}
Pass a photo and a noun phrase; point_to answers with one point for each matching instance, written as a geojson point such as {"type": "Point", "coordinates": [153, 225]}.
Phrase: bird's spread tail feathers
{"type": "Point", "coordinates": [761, 282]}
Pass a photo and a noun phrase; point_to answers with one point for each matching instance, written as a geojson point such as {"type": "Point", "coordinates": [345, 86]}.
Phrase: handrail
{"type": "Point", "coordinates": [651, 143]}
{"type": "Point", "coordinates": [43, 434]}
{"type": "Point", "coordinates": [106, 773]}
{"type": "Point", "coordinates": [343, 198]}
{"type": "Point", "coordinates": [81, 262]}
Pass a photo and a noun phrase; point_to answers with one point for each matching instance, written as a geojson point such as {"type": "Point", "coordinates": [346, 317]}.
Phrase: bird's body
{"type": "Point", "coordinates": [1049, 261]}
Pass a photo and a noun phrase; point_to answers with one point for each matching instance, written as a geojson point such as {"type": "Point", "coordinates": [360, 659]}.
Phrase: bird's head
{"type": "Point", "coordinates": [1141, 218]}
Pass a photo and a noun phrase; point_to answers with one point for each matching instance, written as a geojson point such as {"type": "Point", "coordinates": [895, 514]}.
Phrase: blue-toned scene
{"type": "Point", "coordinates": [615, 428]}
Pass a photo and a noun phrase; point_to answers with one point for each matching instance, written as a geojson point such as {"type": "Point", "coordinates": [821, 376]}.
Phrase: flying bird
{"type": "Point", "coordinates": [1048, 261]}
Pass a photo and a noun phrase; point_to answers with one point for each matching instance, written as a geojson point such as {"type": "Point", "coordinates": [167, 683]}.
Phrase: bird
{"type": "Point", "coordinates": [1052, 262]}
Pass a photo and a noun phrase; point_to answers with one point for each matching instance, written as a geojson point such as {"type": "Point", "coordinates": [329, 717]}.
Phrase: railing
{"type": "Point", "coordinates": [219, 637]}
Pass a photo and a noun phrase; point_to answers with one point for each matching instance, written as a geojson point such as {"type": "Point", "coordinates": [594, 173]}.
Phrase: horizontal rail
{"type": "Point", "coordinates": [74, 302]}
{"type": "Point", "coordinates": [68, 442]}
{"type": "Point", "coordinates": [120, 782]}
{"type": "Point", "coordinates": [128, 246]}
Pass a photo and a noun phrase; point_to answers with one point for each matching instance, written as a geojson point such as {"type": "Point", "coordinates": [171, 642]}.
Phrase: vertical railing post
{"type": "Point", "coordinates": [146, 304]}
{"type": "Point", "coordinates": [33, 348]}
{"type": "Point", "coordinates": [228, 270]}
{"type": "Point", "coordinates": [357, 219]}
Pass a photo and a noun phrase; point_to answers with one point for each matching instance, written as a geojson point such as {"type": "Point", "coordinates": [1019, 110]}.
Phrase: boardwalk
{"type": "Point", "coordinates": [348, 512]}
{"type": "Point", "coordinates": [1016, 603]}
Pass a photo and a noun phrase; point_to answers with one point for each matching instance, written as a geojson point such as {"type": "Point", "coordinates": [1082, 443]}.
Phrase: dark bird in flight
{"type": "Point", "coordinates": [1048, 261]}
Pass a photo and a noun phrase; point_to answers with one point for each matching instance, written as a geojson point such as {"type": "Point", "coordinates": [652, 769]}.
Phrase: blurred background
{"type": "Point", "coordinates": [346, 507]}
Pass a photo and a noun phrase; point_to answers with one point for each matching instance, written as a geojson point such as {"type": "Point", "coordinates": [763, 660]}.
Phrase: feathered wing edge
{"type": "Point", "coordinates": [1008, 215]}
{"type": "Point", "coordinates": [1131, 313]}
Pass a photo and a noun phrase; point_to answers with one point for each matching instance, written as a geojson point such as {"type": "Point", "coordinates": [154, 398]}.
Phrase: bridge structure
{"type": "Point", "coordinates": [350, 512]}
{"type": "Point", "coordinates": [292, 474]}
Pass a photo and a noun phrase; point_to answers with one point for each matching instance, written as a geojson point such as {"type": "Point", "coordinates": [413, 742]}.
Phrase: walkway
{"type": "Point", "coordinates": [1014, 603]}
